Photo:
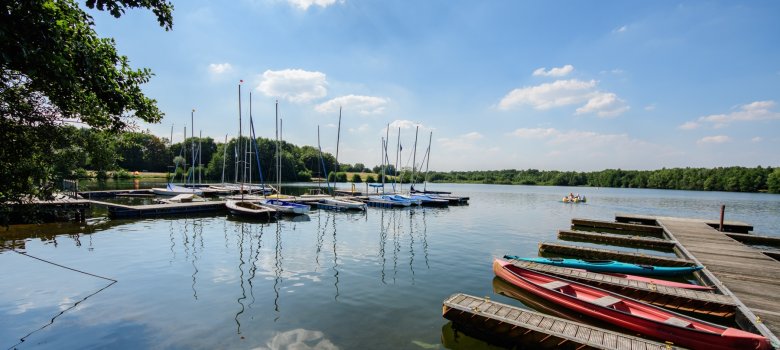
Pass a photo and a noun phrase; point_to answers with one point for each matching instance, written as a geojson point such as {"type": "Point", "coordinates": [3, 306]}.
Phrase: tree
{"type": "Point", "coordinates": [55, 68]}
{"type": "Point", "coordinates": [773, 181]}
{"type": "Point", "coordinates": [356, 178]}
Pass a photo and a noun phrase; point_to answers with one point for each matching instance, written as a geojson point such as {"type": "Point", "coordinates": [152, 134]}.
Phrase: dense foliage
{"type": "Point", "coordinates": [732, 179]}
{"type": "Point", "coordinates": [55, 69]}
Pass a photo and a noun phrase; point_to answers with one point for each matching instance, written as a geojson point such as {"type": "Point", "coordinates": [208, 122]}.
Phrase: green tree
{"type": "Point", "coordinates": [773, 181]}
{"type": "Point", "coordinates": [356, 178]}
{"type": "Point", "coordinates": [53, 68]}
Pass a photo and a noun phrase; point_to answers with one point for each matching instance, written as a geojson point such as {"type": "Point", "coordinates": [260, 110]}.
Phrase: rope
{"type": "Point", "coordinates": [64, 267]}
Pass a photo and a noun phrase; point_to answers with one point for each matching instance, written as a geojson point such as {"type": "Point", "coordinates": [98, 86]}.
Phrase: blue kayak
{"type": "Point", "coordinates": [612, 266]}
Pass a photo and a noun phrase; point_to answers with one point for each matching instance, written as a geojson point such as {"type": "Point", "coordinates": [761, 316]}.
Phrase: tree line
{"type": "Point", "coordinates": [83, 151]}
{"type": "Point", "coordinates": [730, 179]}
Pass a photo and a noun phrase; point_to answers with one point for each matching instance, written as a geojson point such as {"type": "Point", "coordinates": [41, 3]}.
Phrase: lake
{"type": "Point", "coordinates": [331, 280]}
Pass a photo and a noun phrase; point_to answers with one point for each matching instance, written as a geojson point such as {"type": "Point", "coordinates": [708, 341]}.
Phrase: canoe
{"type": "Point", "coordinates": [250, 210]}
{"type": "Point", "coordinates": [660, 282]}
{"type": "Point", "coordinates": [575, 200]}
{"type": "Point", "coordinates": [628, 313]}
{"type": "Point", "coordinates": [285, 207]}
{"type": "Point", "coordinates": [612, 266]}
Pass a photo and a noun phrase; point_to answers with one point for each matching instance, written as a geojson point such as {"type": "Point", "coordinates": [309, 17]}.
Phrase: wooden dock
{"type": "Point", "coordinates": [120, 211]}
{"type": "Point", "coordinates": [536, 330]}
{"type": "Point", "coordinates": [674, 298]}
{"type": "Point", "coordinates": [608, 254]}
{"type": "Point", "coordinates": [738, 270]}
{"type": "Point", "coordinates": [618, 227]}
{"type": "Point", "coordinates": [618, 239]}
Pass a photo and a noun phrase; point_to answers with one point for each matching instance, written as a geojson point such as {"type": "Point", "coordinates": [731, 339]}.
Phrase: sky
{"type": "Point", "coordinates": [504, 84]}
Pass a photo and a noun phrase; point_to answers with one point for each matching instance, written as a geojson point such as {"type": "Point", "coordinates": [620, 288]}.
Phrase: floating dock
{"type": "Point", "coordinates": [119, 211]}
{"type": "Point", "coordinates": [618, 227]}
{"type": "Point", "coordinates": [536, 330]}
{"type": "Point", "coordinates": [618, 239]}
{"type": "Point", "coordinates": [608, 254]}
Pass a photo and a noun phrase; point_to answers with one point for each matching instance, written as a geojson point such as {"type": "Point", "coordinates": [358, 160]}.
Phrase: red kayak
{"type": "Point", "coordinates": [628, 313]}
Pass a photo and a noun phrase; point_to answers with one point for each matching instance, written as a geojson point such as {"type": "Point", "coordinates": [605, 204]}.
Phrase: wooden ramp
{"type": "Point", "coordinates": [739, 270]}
{"type": "Point", "coordinates": [674, 298]}
{"type": "Point", "coordinates": [607, 254]}
{"type": "Point", "coordinates": [536, 330]}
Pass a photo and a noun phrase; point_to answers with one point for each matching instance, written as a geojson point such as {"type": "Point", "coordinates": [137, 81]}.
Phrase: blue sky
{"type": "Point", "coordinates": [552, 85]}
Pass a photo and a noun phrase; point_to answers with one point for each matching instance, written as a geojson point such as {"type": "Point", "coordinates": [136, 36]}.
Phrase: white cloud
{"type": "Point", "coordinates": [460, 143]}
{"type": "Point", "coordinates": [757, 139]}
{"type": "Point", "coordinates": [295, 85]}
{"type": "Point", "coordinates": [305, 4]}
{"type": "Point", "coordinates": [362, 104]}
{"type": "Point", "coordinates": [360, 129]}
{"type": "Point", "coordinates": [566, 92]}
{"type": "Point", "coordinates": [714, 139]}
{"type": "Point", "coordinates": [534, 133]}
{"type": "Point", "coordinates": [688, 126]}
{"type": "Point", "coordinates": [219, 68]}
{"type": "Point", "coordinates": [549, 95]}
{"type": "Point", "coordinates": [622, 29]}
{"type": "Point", "coordinates": [604, 104]}
{"type": "Point", "coordinates": [554, 72]}
{"type": "Point", "coordinates": [650, 107]}
{"type": "Point", "coordinates": [758, 110]}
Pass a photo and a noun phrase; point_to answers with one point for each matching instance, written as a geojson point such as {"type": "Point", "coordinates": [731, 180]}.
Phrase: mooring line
{"type": "Point", "coordinates": [64, 267]}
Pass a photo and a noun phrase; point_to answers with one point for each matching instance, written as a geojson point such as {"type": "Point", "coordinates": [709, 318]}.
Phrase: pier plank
{"type": "Point", "coordinates": [536, 330]}
{"type": "Point", "coordinates": [745, 273]}
{"type": "Point", "coordinates": [599, 253]}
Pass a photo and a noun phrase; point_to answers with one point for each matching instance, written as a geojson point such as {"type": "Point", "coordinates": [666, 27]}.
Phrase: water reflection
{"type": "Point", "coordinates": [241, 235]}
{"type": "Point", "coordinates": [278, 269]}
{"type": "Point", "coordinates": [300, 338]}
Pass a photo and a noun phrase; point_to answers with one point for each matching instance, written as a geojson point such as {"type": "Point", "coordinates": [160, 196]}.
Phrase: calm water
{"type": "Point", "coordinates": [329, 281]}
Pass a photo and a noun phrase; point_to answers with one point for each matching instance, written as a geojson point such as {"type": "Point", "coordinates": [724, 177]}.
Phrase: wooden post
{"type": "Point", "coordinates": [722, 212]}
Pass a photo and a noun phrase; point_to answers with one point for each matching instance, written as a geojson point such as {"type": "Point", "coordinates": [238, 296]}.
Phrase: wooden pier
{"type": "Point", "coordinates": [536, 330]}
{"type": "Point", "coordinates": [618, 239]}
{"type": "Point", "coordinates": [119, 211]}
{"type": "Point", "coordinates": [618, 227]}
{"type": "Point", "coordinates": [738, 270]}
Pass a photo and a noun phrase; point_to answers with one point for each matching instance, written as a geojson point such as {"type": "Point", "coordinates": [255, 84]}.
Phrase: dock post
{"type": "Point", "coordinates": [722, 212]}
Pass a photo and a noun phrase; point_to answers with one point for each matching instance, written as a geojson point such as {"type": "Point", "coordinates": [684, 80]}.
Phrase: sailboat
{"type": "Point", "coordinates": [175, 190]}
{"type": "Point", "coordinates": [282, 206]}
{"type": "Point", "coordinates": [243, 207]}
{"type": "Point", "coordinates": [333, 203]}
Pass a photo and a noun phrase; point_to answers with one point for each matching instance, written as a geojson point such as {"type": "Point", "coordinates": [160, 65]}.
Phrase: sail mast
{"type": "Point", "coordinates": [192, 125]}
{"type": "Point", "coordinates": [336, 166]}
{"type": "Point", "coordinates": [238, 143]}
{"type": "Point", "coordinates": [425, 183]}
{"type": "Point", "coordinates": [397, 157]}
{"type": "Point", "coordinates": [414, 153]}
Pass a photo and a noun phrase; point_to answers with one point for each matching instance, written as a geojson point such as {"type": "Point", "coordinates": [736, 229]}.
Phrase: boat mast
{"type": "Point", "coordinates": [276, 130]}
{"type": "Point", "coordinates": [425, 183]}
{"type": "Point", "coordinates": [192, 125]}
{"type": "Point", "coordinates": [238, 143]}
{"type": "Point", "coordinates": [414, 153]}
{"type": "Point", "coordinates": [397, 157]}
{"type": "Point", "coordinates": [200, 157]}
{"type": "Point", "coordinates": [184, 174]}
{"type": "Point", "coordinates": [224, 155]}
{"type": "Point", "coordinates": [279, 168]}
{"type": "Point", "coordinates": [336, 166]}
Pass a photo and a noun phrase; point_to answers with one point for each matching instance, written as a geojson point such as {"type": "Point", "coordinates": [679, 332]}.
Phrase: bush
{"type": "Point", "coordinates": [122, 174]}
{"type": "Point", "coordinates": [356, 178]}
{"type": "Point", "coordinates": [370, 178]}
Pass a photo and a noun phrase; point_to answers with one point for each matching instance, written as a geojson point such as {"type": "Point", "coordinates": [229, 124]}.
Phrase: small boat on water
{"type": "Point", "coordinates": [250, 210]}
{"type": "Point", "coordinates": [286, 207]}
{"type": "Point", "coordinates": [173, 190]}
{"type": "Point", "coordinates": [430, 201]}
{"type": "Point", "coordinates": [612, 266]}
{"type": "Point", "coordinates": [628, 313]}
{"type": "Point", "coordinates": [574, 199]}
{"type": "Point", "coordinates": [183, 198]}
{"type": "Point", "coordinates": [391, 201]}
{"type": "Point", "coordinates": [341, 204]}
